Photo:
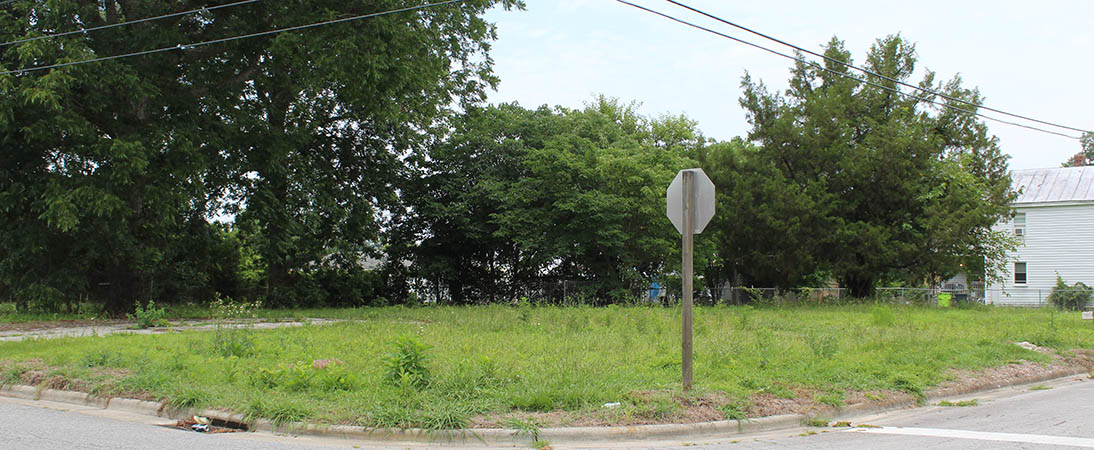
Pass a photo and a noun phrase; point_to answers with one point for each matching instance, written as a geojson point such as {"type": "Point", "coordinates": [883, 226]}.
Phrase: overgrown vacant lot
{"type": "Point", "coordinates": [514, 366]}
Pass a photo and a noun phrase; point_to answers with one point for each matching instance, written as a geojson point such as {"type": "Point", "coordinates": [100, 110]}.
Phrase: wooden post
{"type": "Point", "coordinates": [688, 275]}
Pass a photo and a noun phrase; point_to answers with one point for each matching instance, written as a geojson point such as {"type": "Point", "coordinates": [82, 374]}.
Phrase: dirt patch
{"type": "Point", "coordinates": [964, 380]}
{"type": "Point", "coordinates": [34, 372]}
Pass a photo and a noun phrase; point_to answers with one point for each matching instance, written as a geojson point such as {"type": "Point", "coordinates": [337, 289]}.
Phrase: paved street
{"type": "Point", "coordinates": [28, 425]}
{"type": "Point", "coordinates": [1011, 418]}
{"type": "Point", "coordinates": [129, 328]}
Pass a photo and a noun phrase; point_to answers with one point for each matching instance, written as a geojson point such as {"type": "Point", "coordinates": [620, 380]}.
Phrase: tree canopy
{"type": "Point", "coordinates": [884, 185]}
{"type": "Point", "coordinates": [112, 170]}
{"type": "Point", "coordinates": [356, 163]}
{"type": "Point", "coordinates": [1085, 157]}
{"type": "Point", "coordinates": [517, 198]}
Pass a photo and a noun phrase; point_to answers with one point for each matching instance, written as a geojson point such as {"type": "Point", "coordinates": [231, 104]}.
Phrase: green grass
{"type": "Point", "coordinates": [962, 403]}
{"type": "Point", "coordinates": [500, 361]}
{"type": "Point", "coordinates": [9, 314]}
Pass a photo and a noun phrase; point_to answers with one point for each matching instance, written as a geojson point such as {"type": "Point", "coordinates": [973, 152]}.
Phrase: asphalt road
{"type": "Point", "coordinates": [1061, 417]}
{"type": "Point", "coordinates": [1010, 418]}
{"type": "Point", "coordinates": [27, 425]}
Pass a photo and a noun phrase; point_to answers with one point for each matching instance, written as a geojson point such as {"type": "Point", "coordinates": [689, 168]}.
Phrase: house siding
{"type": "Point", "coordinates": [1058, 239]}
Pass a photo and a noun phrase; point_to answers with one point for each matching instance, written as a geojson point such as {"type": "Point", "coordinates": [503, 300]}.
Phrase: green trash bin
{"type": "Point", "coordinates": [944, 299]}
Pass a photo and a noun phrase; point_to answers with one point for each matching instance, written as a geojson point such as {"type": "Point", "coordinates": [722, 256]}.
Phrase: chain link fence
{"type": "Point", "coordinates": [931, 296]}
{"type": "Point", "coordinates": [741, 295]}
{"type": "Point", "coordinates": [584, 292]}
{"type": "Point", "coordinates": [1039, 297]}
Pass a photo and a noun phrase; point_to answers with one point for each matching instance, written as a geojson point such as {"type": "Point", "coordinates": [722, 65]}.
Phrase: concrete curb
{"type": "Point", "coordinates": [19, 391]}
{"type": "Point", "coordinates": [72, 397]}
{"type": "Point", "coordinates": [496, 436]}
{"type": "Point", "coordinates": [134, 406]}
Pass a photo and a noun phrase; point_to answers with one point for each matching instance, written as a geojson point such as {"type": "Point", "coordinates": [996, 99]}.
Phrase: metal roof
{"type": "Point", "coordinates": [1064, 184]}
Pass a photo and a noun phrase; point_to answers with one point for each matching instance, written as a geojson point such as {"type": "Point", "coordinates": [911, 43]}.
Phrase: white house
{"type": "Point", "coordinates": [1054, 219]}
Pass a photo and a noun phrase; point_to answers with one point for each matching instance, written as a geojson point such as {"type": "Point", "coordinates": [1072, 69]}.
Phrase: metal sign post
{"type": "Point", "coordinates": [688, 241]}
{"type": "Point", "coordinates": [690, 206]}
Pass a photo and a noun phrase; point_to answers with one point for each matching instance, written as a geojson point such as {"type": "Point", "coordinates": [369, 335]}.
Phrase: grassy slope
{"type": "Point", "coordinates": [497, 359]}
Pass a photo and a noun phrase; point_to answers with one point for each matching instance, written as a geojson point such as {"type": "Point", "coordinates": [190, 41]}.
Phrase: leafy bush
{"type": "Point", "coordinates": [149, 316]}
{"type": "Point", "coordinates": [1073, 297]}
{"type": "Point", "coordinates": [406, 364]}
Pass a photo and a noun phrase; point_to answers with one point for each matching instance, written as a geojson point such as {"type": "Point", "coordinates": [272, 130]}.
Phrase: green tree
{"type": "Point", "coordinates": [886, 186]}
{"type": "Point", "coordinates": [764, 229]}
{"type": "Point", "coordinates": [449, 231]}
{"type": "Point", "coordinates": [116, 165]}
{"type": "Point", "coordinates": [592, 205]}
{"type": "Point", "coordinates": [1084, 157]}
{"type": "Point", "coordinates": [515, 197]}
{"type": "Point", "coordinates": [108, 169]}
{"type": "Point", "coordinates": [330, 113]}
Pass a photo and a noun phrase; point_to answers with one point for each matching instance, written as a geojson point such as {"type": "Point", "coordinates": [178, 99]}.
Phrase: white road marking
{"type": "Point", "coordinates": [981, 435]}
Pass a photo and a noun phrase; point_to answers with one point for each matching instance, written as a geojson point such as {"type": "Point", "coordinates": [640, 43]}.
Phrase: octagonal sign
{"type": "Point", "coordinates": [702, 200]}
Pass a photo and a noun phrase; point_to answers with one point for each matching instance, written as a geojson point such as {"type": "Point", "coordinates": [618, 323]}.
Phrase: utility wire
{"type": "Point", "coordinates": [218, 41]}
{"type": "Point", "coordinates": [130, 22]}
{"type": "Point", "coordinates": [851, 66]}
{"type": "Point", "coordinates": [861, 80]}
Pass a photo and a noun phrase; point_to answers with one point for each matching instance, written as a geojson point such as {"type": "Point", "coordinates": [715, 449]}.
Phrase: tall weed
{"type": "Point", "coordinates": [406, 363]}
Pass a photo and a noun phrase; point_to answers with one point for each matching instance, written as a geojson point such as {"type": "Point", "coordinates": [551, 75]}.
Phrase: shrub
{"type": "Point", "coordinates": [149, 316]}
{"type": "Point", "coordinates": [1073, 297]}
{"type": "Point", "coordinates": [406, 364]}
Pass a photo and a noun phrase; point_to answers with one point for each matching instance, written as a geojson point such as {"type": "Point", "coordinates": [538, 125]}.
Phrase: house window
{"type": "Point", "coordinates": [1019, 273]}
{"type": "Point", "coordinates": [1020, 225]}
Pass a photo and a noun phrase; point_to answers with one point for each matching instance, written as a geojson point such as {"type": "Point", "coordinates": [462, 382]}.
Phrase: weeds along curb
{"type": "Point", "coordinates": [495, 436]}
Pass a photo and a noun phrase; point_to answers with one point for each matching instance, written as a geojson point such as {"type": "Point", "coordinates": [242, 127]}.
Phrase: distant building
{"type": "Point", "coordinates": [1054, 219]}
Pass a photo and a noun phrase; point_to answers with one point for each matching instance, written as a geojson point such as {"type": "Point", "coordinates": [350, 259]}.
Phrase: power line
{"type": "Point", "coordinates": [131, 22]}
{"type": "Point", "coordinates": [861, 80]}
{"type": "Point", "coordinates": [218, 41]}
{"type": "Point", "coordinates": [845, 64]}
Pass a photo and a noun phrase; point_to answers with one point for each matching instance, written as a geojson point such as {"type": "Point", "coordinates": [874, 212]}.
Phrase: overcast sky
{"type": "Point", "coordinates": [1029, 58]}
